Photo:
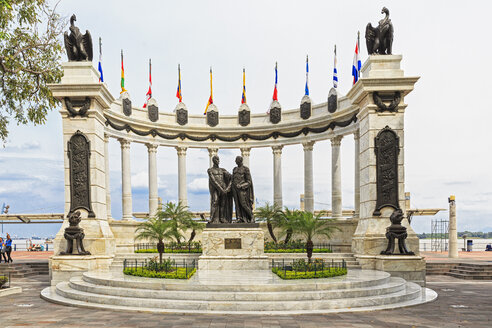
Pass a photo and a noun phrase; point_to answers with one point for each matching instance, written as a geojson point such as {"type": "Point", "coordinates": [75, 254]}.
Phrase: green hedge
{"type": "Point", "coordinates": [153, 250]}
{"type": "Point", "coordinates": [316, 250]}
{"type": "Point", "coordinates": [179, 274]}
{"type": "Point", "coordinates": [3, 280]}
{"type": "Point", "coordinates": [327, 273]}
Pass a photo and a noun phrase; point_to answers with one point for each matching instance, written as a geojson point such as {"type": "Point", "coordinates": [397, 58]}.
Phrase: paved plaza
{"type": "Point", "coordinates": [460, 304]}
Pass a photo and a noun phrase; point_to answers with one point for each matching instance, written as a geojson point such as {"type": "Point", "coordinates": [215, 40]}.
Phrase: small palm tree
{"type": "Point", "coordinates": [180, 220]}
{"type": "Point", "coordinates": [154, 229]}
{"type": "Point", "coordinates": [273, 216]}
{"type": "Point", "coordinates": [286, 221]}
{"type": "Point", "coordinates": [310, 225]}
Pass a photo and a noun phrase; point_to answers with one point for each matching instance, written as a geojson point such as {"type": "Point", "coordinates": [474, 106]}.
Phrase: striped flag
{"type": "Point", "coordinates": [149, 93]}
{"type": "Point", "coordinates": [99, 66]}
{"type": "Point", "coordinates": [210, 99]}
{"type": "Point", "coordinates": [122, 74]}
{"type": "Point", "coordinates": [306, 89]}
{"type": "Point", "coordinates": [243, 98]}
{"type": "Point", "coordinates": [178, 92]}
{"type": "Point", "coordinates": [276, 80]}
{"type": "Point", "coordinates": [356, 64]}
{"type": "Point", "coordinates": [335, 73]}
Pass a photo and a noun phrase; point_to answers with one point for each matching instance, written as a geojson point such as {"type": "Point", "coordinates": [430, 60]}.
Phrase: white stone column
{"type": "Point", "coordinates": [245, 151]}
{"type": "Point", "coordinates": [277, 175]}
{"type": "Point", "coordinates": [336, 178]}
{"type": "Point", "coordinates": [126, 182]}
{"type": "Point", "coordinates": [107, 175]}
{"type": "Point", "coordinates": [153, 194]}
{"type": "Point", "coordinates": [356, 174]}
{"type": "Point", "coordinates": [453, 229]}
{"type": "Point", "coordinates": [211, 153]}
{"type": "Point", "coordinates": [308, 176]}
{"type": "Point", "coordinates": [182, 194]}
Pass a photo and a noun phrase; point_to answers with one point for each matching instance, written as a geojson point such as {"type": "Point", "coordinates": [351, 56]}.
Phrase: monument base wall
{"type": "Point", "coordinates": [233, 249]}
{"type": "Point", "coordinates": [65, 267]}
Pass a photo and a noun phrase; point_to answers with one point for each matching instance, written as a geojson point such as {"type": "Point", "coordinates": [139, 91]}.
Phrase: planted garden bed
{"type": "Point", "coordinates": [301, 269]}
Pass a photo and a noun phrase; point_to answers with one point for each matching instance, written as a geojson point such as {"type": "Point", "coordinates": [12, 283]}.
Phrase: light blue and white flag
{"type": "Point", "coordinates": [99, 66]}
{"type": "Point", "coordinates": [335, 73]}
{"type": "Point", "coordinates": [306, 89]}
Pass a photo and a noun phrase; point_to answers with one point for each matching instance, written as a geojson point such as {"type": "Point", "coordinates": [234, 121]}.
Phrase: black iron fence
{"type": "Point", "coordinates": [5, 279]}
{"type": "Point", "coordinates": [298, 245]}
{"type": "Point", "coordinates": [167, 265]}
{"type": "Point", "coordinates": [193, 247]}
{"type": "Point", "coordinates": [299, 266]}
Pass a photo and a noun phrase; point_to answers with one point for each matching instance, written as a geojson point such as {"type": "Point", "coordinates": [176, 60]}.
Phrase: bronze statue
{"type": "Point", "coordinates": [396, 231]}
{"type": "Point", "coordinates": [242, 190]}
{"type": "Point", "coordinates": [78, 46]}
{"type": "Point", "coordinates": [74, 233]}
{"type": "Point", "coordinates": [219, 184]}
{"type": "Point", "coordinates": [379, 40]}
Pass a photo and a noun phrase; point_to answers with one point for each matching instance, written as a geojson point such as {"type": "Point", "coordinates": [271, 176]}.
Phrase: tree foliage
{"type": "Point", "coordinates": [273, 216]}
{"type": "Point", "coordinates": [30, 50]}
{"type": "Point", "coordinates": [179, 220]}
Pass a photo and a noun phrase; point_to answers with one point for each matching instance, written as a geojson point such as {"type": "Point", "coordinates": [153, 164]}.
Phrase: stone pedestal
{"type": "Point", "coordinates": [410, 268]}
{"type": "Point", "coordinates": [64, 267]}
{"type": "Point", "coordinates": [233, 249]}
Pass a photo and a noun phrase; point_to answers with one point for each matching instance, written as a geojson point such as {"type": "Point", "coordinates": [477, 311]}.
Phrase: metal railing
{"type": "Point", "coordinates": [168, 265]}
{"type": "Point", "coordinates": [299, 266]}
{"type": "Point", "coordinates": [296, 245]}
{"type": "Point", "coordinates": [194, 247]}
{"type": "Point", "coordinates": [9, 277]}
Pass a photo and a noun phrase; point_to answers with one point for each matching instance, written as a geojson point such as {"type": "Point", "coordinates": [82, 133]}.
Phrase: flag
{"type": "Point", "coordinates": [306, 89]}
{"type": "Point", "coordinates": [178, 92]}
{"type": "Point", "coordinates": [276, 79]}
{"type": "Point", "coordinates": [210, 99]}
{"type": "Point", "coordinates": [356, 64]}
{"type": "Point", "coordinates": [243, 98]}
{"type": "Point", "coordinates": [149, 93]}
{"type": "Point", "coordinates": [122, 74]}
{"type": "Point", "coordinates": [99, 66]}
{"type": "Point", "coordinates": [335, 73]}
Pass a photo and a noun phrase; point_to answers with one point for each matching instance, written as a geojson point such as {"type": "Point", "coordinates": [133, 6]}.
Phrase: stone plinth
{"type": "Point", "coordinates": [408, 267]}
{"type": "Point", "coordinates": [65, 267]}
{"type": "Point", "coordinates": [233, 249]}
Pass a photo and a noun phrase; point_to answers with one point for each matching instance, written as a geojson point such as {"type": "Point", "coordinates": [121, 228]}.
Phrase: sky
{"type": "Point", "coordinates": [447, 140]}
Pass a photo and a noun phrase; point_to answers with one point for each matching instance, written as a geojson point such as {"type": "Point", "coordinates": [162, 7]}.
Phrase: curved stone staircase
{"type": "Point", "coordinates": [254, 292]}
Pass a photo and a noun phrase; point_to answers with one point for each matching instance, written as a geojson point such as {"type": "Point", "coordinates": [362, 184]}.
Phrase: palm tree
{"type": "Point", "coordinates": [310, 225]}
{"type": "Point", "coordinates": [287, 221]}
{"type": "Point", "coordinates": [155, 229]}
{"type": "Point", "coordinates": [273, 216]}
{"type": "Point", "coordinates": [180, 220]}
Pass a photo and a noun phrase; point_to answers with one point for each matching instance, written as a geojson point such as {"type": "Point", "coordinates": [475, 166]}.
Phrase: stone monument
{"type": "Point", "coordinates": [228, 244]}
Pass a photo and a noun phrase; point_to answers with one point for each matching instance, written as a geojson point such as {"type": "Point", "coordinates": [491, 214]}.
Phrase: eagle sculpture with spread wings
{"type": "Point", "coordinates": [78, 46]}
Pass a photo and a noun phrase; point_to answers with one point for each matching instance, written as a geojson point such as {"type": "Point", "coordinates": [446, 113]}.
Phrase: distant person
{"type": "Point", "coordinates": [8, 245]}
{"type": "Point", "coordinates": [488, 248]}
{"type": "Point", "coordinates": [3, 249]}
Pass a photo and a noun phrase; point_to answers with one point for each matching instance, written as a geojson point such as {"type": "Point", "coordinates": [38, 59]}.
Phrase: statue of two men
{"type": "Point", "coordinates": [225, 187]}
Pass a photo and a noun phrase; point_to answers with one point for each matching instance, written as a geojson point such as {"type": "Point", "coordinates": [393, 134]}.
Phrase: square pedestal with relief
{"type": "Point", "coordinates": [233, 249]}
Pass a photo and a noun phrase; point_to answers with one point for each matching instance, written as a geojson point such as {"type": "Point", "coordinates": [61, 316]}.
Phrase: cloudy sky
{"type": "Point", "coordinates": [447, 141]}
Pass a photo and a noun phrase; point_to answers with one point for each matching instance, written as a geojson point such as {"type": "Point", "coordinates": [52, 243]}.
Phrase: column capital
{"type": "Point", "coordinates": [212, 151]}
{"type": "Point", "coordinates": [356, 134]}
{"type": "Point", "coordinates": [151, 148]}
{"type": "Point", "coordinates": [181, 150]}
{"type": "Point", "coordinates": [308, 145]}
{"type": "Point", "coordinates": [125, 143]}
{"type": "Point", "coordinates": [336, 141]}
{"type": "Point", "coordinates": [245, 151]}
{"type": "Point", "coordinates": [277, 150]}
{"type": "Point", "coordinates": [106, 137]}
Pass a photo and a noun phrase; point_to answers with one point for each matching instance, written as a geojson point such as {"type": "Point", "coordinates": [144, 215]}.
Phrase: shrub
{"type": "Point", "coordinates": [327, 273]}
{"type": "Point", "coordinates": [168, 251]}
{"type": "Point", "coordinates": [180, 273]}
{"type": "Point", "coordinates": [298, 250]}
{"type": "Point", "coordinates": [3, 280]}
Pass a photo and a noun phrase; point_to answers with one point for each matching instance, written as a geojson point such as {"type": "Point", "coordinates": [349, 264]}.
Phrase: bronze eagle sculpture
{"type": "Point", "coordinates": [379, 40]}
{"type": "Point", "coordinates": [78, 46]}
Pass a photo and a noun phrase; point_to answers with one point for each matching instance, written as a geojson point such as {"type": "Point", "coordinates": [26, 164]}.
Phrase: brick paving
{"type": "Point", "coordinates": [478, 256]}
{"type": "Point", "coordinates": [25, 255]}
{"type": "Point", "coordinates": [460, 304]}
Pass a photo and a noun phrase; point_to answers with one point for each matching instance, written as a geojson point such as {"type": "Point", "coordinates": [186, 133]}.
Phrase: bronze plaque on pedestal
{"type": "Point", "coordinates": [232, 243]}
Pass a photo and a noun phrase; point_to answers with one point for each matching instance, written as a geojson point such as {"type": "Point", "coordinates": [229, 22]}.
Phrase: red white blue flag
{"type": "Point", "coordinates": [276, 79]}
{"type": "Point", "coordinates": [356, 66]}
{"type": "Point", "coordinates": [149, 93]}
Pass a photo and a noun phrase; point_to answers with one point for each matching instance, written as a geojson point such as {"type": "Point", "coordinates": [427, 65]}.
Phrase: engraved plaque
{"type": "Point", "coordinates": [232, 243]}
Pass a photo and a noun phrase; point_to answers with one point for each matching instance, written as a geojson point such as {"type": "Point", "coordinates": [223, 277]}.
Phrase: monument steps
{"type": "Point", "coordinates": [361, 291]}
{"type": "Point", "coordinates": [394, 285]}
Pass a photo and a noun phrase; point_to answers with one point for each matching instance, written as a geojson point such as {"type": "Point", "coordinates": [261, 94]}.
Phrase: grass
{"type": "Point", "coordinates": [180, 273]}
{"type": "Point", "coordinates": [326, 273]}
